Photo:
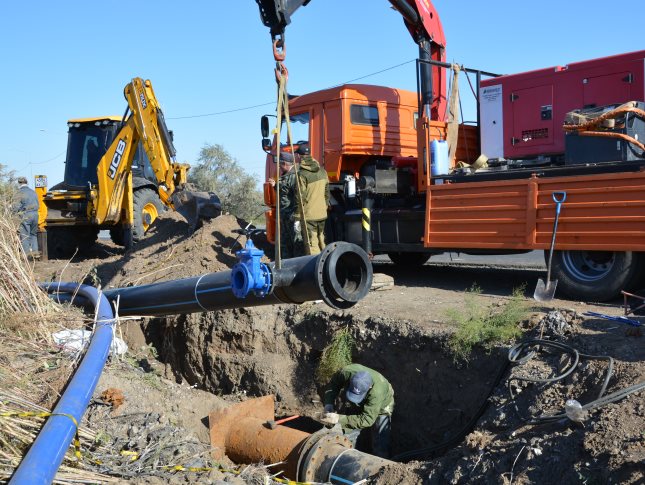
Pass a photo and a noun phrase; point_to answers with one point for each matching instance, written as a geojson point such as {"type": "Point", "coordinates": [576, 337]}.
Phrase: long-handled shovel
{"type": "Point", "coordinates": [545, 291]}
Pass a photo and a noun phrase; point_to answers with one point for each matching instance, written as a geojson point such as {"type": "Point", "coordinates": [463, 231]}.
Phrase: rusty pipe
{"type": "Point", "coordinates": [242, 433]}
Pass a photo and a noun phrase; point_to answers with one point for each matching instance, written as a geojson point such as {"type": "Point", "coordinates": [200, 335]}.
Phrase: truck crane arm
{"type": "Point", "coordinates": [421, 20]}
{"type": "Point", "coordinates": [419, 16]}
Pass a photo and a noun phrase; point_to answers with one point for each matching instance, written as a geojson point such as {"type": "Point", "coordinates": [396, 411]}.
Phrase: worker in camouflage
{"type": "Point", "coordinates": [314, 190]}
{"type": "Point", "coordinates": [291, 244]}
{"type": "Point", "coordinates": [366, 402]}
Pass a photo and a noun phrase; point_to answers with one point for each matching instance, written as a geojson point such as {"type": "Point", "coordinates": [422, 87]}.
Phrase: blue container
{"type": "Point", "coordinates": [439, 158]}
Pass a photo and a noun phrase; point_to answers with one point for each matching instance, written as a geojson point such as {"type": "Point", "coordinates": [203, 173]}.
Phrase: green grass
{"type": "Point", "coordinates": [336, 355]}
{"type": "Point", "coordinates": [485, 326]}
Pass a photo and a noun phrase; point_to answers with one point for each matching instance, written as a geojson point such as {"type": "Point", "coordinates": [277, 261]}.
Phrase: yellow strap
{"type": "Point", "coordinates": [283, 106]}
{"type": "Point", "coordinates": [31, 414]}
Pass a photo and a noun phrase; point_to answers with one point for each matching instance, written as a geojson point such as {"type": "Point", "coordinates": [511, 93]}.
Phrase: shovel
{"type": "Point", "coordinates": [545, 291]}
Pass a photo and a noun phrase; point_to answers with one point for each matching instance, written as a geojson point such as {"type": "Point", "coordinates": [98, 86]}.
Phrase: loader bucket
{"type": "Point", "coordinates": [196, 206]}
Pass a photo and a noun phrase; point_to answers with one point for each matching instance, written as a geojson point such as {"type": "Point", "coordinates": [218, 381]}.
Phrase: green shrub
{"type": "Point", "coordinates": [486, 326]}
{"type": "Point", "coordinates": [336, 355]}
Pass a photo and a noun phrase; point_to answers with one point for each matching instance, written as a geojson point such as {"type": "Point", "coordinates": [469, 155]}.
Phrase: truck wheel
{"type": "Point", "coordinates": [62, 242]}
{"type": "Point", "coordinates": [147, 207]}
{"type": "Point", "coordinates": [595, 275]}
{"type": "Point", "coordinates": [412, 260]}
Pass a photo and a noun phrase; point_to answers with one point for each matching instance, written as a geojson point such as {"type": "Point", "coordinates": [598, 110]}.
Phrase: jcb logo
{"type": "Point", "coordinates": [116, 159]}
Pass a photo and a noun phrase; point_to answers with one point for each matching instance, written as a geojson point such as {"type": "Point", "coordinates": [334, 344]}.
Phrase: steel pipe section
{"type": "Point", "coordinates": [341, 275]}
{"type": "Point", "coordinates": [242, 433]}
{"type": "Point", "coordinates": [48, 450]}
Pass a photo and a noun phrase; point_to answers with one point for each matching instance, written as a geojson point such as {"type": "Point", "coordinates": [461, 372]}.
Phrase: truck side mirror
{"type": "Point", "coordinates": [264, 127]}
{"type": "Point", "coordinates": [266, 144]}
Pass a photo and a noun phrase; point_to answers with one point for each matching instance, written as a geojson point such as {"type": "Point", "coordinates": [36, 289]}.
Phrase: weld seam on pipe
{"type": "Point", "coordinates": [196, 297]}
{"type": "Point", "coordinates": [40, 464]}
{"type": "Point", "coordinates": [331, 469]}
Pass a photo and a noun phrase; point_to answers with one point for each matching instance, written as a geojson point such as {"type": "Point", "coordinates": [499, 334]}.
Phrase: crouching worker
{"type": "Point", "coordinates": [367, 402]}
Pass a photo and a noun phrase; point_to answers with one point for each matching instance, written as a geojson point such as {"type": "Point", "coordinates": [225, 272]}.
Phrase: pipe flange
{"type": "Point", "coordinates": [331, 291]}
{"type": "Point", "coordinates": [318, 448]}
{"type": "Point", "coordinates": [361, 272]}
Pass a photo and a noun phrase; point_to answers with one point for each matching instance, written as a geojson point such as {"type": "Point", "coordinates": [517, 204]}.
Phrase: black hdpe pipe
{"type": "Point", "coordinates": [340, 275]}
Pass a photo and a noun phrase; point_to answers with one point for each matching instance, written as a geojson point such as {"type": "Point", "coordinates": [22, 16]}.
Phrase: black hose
{"type": "Point", "coordinates": [515, 357]}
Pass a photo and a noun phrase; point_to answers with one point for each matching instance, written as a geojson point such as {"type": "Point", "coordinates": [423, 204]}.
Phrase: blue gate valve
{"type": "Point", "coordinates": [249, 274]}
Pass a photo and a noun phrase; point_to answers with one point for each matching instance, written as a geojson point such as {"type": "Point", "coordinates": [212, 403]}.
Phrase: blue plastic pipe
{"type": "Point", "coordinates": [46, 454]}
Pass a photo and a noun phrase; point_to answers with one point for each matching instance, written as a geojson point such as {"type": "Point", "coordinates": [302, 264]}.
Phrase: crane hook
{"type": "Point", "coordinates": [279, 49]}
{"type": "Point", "coordinates": [281, 71]}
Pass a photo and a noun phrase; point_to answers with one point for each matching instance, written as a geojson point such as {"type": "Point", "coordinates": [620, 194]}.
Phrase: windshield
{"type": "Point", "coordinates": [86, 145]}
{"type": "Point", "coordinates": [299, 130]}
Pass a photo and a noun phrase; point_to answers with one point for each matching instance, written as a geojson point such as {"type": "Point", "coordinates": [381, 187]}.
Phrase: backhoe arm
{"type": "Point", "coordinates": [145, 123]}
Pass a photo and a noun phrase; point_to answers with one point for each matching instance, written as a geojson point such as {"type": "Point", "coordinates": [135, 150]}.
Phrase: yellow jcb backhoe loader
{"type": "Point", "coordinates": [120, 173]}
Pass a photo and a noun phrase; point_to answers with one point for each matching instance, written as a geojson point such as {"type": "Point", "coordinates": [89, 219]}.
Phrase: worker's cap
{"type": "Point", "coordinates": [303, 149]}
{"type": "Point", "coordinates": [359, 384]}
{"type": "Point", "coordinates": [22, 180]}
{"type": "Point", "coordinates": [286, 157]}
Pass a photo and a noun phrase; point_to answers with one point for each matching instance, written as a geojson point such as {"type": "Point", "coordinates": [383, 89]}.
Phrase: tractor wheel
{"type": "Point", "coordinates": [595, 275]}
{"type": "Point", "coordinates": [410, 260]}
{"type": "Point", "coordinates": [147, 207]}
{"type": "Point", "coordinates": [63, 242]}
{"type": "Point", "coordinates": [116, 234]}
{"type": "Point", "coordinates": [122, 237]}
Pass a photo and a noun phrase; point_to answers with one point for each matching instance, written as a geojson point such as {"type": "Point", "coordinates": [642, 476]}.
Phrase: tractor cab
{"type": "Point", "coordinates": [88, 140]}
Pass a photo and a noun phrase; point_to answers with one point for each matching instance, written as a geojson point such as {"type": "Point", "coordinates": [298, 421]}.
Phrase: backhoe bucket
{"type": "Point", "coordinates": [196, 207]}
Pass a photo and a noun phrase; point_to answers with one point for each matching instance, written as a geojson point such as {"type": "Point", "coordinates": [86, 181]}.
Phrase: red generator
{"type": "Point", "coordinates": [522, 114]}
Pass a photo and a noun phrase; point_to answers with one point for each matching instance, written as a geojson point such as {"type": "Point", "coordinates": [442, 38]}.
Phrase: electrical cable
{"type": "Point", "coordinates": [235, 110]}
{"type": "Point", "coordinates": [515, 356]}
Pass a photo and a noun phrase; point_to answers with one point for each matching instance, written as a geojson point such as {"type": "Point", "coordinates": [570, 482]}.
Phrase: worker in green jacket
{"type": "Point", "coordinates": [367, 402]}
{"type": "Point", "coordinates": [291, 244]}
{"type": "Point", "coordinates": [314, 190]}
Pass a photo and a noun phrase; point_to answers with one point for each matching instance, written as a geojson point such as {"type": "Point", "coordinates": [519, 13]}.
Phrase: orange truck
{"type": "Point", "coordinates": [384, 154]}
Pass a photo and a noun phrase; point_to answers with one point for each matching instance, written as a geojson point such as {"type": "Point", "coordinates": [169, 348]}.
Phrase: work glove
{"type": "Point", "coordinates": [296, 227]}
{"type": "Point", "coordinates": [330, 418]}
{"type": "Point", "coordinates": [329, 408]}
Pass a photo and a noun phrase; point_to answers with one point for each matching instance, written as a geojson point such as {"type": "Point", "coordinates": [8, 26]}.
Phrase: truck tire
{"type": "Point", "coordinates": [147, 207]}
{"type": "Point", "coordinates": [411, 260]}
{"type": "Point", "coordinates": [62, 242]}
{"type": "Point", "coordinates": [595, 275]}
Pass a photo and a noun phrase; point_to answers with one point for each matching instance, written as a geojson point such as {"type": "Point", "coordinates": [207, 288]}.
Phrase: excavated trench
{"type": "Point", "coordinates": [275, 350]}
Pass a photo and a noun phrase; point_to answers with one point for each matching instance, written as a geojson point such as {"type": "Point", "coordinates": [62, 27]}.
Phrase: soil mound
{"type": "Point", "coordinates": [172, 251]}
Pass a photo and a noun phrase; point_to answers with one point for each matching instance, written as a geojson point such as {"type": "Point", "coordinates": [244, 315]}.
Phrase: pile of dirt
{"type": "Point", "coordinates": [172, 251]}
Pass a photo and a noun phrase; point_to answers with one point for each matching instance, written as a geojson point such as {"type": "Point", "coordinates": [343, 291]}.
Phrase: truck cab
{"type": "Point", "coordinates": [355, 131]}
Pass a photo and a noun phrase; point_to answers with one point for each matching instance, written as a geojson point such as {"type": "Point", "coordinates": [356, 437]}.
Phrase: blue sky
{"type": "Point", "coordinates": [71, 58]}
